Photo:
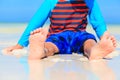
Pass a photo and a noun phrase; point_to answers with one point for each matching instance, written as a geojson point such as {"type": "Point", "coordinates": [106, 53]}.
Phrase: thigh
{"type": "Point", "coordinates": [61, 41]}
{"type": "Point", "coordinates": [79, 39]}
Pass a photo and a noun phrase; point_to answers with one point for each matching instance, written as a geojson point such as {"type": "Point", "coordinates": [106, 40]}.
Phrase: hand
{"type": "Point", "coordinates": [8, 50]}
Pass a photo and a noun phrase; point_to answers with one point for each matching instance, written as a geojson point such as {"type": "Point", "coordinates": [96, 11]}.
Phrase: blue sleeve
{"type": "Point", "coordinates": [37, 21]}
{"type": "Point", "coordinates": [97, 20]}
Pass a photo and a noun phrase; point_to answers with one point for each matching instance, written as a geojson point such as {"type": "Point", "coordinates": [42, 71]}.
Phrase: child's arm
{"type": "Point", "coordinates": [37, 21]}
{"type": "Point", "coordinates": [96, 19]}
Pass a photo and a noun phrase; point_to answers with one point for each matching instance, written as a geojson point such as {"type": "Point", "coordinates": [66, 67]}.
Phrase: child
{"type": "Point", "coordinates": [67, 32]}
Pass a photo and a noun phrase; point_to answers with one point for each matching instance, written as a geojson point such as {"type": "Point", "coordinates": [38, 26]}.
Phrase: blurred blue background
{"type": "Point", "coordinates": [23, 10]}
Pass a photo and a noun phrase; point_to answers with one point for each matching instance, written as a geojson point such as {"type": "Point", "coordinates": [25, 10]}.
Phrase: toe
{"type": "Point", "coordinates": [106, 35]}
{"type": "Point", "coordinates": [31, 33]}
{"type": "Point", "coordinates": [113, 41]}
{"type": "Point", "coordinates": [36, 31]}
{"type": "Point", "coordinates": [44, 31]}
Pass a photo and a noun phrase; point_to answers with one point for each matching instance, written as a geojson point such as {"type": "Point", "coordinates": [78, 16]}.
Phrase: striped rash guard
{"type": "Point", "coordinates": [66, 15]}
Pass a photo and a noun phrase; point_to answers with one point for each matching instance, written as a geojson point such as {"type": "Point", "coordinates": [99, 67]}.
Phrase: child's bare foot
{"type": "Point", "coordinates": [106, 45]}
{"type": "Point", "coordinates": [37, 40]}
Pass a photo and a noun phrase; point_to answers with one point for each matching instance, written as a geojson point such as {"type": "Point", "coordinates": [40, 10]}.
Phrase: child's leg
{"type": "Point", "coordinates": [50, 49]}
{"type": "Point", "coordinates": [99, 50]}
{"type": "Point", "coordinates": [38, 47]}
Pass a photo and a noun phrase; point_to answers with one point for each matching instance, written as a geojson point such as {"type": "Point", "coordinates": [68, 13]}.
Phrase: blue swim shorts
{"type": "Point", "coordinates": [70, 41]}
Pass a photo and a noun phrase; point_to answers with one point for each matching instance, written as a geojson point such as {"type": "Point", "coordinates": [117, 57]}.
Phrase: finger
{"type": "Point", "coordinates": [6, 51]}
